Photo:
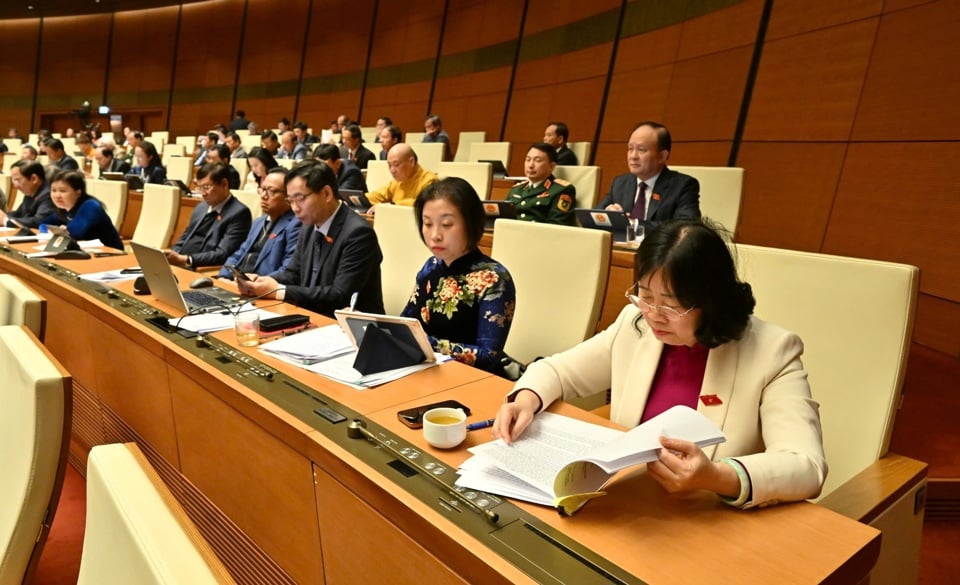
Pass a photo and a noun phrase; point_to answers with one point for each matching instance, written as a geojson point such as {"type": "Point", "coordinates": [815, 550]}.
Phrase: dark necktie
{"type": "Point", "coordinates": [317, 253]}
{"type": "Point", "coordinates": [250, 260]}
{"type": "Point", "coordinates": [640, 204]}
{"type": "Point", "coordinates": [194, 243]}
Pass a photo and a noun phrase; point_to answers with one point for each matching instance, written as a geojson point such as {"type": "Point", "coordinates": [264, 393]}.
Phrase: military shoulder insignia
{"type": "Point", "coordinates": [546, 184]}
{"type": "Point", "coordinates": [562, 182]}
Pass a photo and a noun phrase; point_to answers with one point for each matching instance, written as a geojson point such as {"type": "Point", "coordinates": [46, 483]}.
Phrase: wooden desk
{"type": "Point", "coordinates": [285, 497]}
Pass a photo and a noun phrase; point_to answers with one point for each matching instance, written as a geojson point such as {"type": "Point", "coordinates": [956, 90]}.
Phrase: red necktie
{"type": "Point", "coordinates": [640, 205]}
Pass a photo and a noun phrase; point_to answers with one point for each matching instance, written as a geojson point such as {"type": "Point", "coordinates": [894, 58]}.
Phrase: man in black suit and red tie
{"type": "Point", "coordinates": [650, 191]}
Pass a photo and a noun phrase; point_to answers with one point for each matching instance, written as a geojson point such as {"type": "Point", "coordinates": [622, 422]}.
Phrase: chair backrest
{"type": "Point", "coordinates": [8, 160]}
{"type": "Point", "coordinates": [249, 198]}
{"type": "Point", "coordinates": [113, 195]}
{"type": "Point", "coordinates": [159, 138]}
{"type": "Point", "coordinates": [582, 150]}
{"type": "Point", "coordinates": [6, 183]}
{"type": "Point", "coordinates": [243, 167]}
{"type": "Point", "coordinates": [136, 531]}
{"type": "Point", "coordinates": [13, 144]}
{"type": "Point", "coordinates": [286, 163]}
{"type": "Point", "coordinates": [369, 135]}
{"type": "Point", "coordinates": [33, 138]}
{"type": "Point", "coordinates": [480, 175]}
{"type": "Point", "coordinates": [249, 141]}
{"type": "Point", "coordinates": [464, 142]}
{"type": "Point", "coordinates": [429, 154]}
{"type": "Point", "coordinates": [242, 131]}
{"type": "Point", "coordinates": [378, 174]}
{"type": "Point", "coordinates": [69, 145]}
{"type": "Point", "coordinates": [21, 305]}
{"type": "Point", "coordinates": [413, 137]}
{"type": "Point", "coordinates": [567, 265]}
{"type": "Point", "coordinates": [403, 254]}
{"type": "Point", "coordinates": [585, 178]}
{"type": "Point", "coordinates": [174, 149]}
{"type": "Point", "coordinates": [34, 439]}
{"type": "Point", "coordinates": [490, 151]}
{"type": "Point", "coordinates": [158, 215]}
{"type": "Point", "coordinates": [179, 167]}
{"type": "Point", "coordinates": [855, 317]}
{"type": "Point", "coordinates": [720, 191]}
{"type": "Point", "coordinates": [189, 143]}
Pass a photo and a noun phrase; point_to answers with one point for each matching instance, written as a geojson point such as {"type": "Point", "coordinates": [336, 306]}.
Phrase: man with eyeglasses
{"type": "Point", "coordinates": [273, 236]}
{"type": "Point", "coordinates": [337, 254]}
{"type": "Point", "coordinates": [651, 192]}
{"type": "Point", "coordinates": [29, 177]}
{"type": "Point", "coordinates": [218, 225]}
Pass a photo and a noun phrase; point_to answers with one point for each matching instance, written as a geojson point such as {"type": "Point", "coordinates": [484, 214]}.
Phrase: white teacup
{"type": "Point", "coordinates": [444, 428]}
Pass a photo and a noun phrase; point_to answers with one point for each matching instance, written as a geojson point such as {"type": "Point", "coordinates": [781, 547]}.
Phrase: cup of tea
{"type": "Point", "coordinates": [247, 326]}
{"type": "Point", "coordinates": [444, 428]}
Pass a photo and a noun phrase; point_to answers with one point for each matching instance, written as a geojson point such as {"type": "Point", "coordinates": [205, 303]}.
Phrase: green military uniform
{"type": "Point", "coordinates": [551, 201]}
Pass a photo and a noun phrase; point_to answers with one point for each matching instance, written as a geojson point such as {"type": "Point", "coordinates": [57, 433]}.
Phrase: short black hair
{"type": "Point", "coordinates": [106, 151]}
{"type": "Point", "coordinates": [386, 120]}
{"type": "Point", "coordinates": [562, 130]}
{"type": "Point", "coordinates": [269, 135]}
{"type": "Point", "coordinates": [223, 150]}
{"type": "Point", "coordinates": [232, 135]}
{"type": "Point", "coordinates": [241, 114]}
{"type": "Point", "coordinates": [395, 132]}
{"type": "Point", "coordinates": [546, 149]}
{"type": "Point", "coordinates": [263, 155]}
{"type": "Point", "coordinates": [301, 125]}
{"type": "Point", "coordinates": [285, 121]}
{"type": "Point", "coordinates": [697, 266]}
{"type": "Point", "coordinates": [30, 148]}
{"type": "Point", "coordinates": [316, 174]}
{"type": "Point", "coordinates": [664, 142]}
{"type": "Point", "coordinates": [213, 136]}
{"type": "Point", "coordinates": [327, 152]}
{"type": "Point", "coordinates": [464, 197]}
{"type": "Point", "coordinates": [53, 143]}
{"type": "Point", "coordinates": [218, 172]}
{"type": "Point", "coordinates": [354, 131]}
{"type": "Point", "coordinates": [30, 168]}
{"type": "Point", "coordinates": [434, 119]}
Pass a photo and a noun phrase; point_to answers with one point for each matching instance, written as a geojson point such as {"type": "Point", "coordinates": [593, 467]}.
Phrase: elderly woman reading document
{"type": "Point", "coordinates": [687, 337]}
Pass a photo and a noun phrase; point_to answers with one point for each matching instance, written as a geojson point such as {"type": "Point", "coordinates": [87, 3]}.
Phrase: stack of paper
{"type": "Point", "coordinates": [564, 462]}
{"type": "Point", "coordinates": [217, 321]}
{"type": "Point", "coordinates": [341, 369]}
{"type": "Point", "coordinates": [310, 346]}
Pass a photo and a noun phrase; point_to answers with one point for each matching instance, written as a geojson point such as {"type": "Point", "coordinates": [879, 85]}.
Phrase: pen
{"type": "Point", "coordinates": [480, 425]}
{"type": "Point", "coordinates": [353, 300]}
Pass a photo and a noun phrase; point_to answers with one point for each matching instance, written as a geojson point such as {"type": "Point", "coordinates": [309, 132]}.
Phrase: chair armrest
{"type": "Point", "coordinates": [866, 495]}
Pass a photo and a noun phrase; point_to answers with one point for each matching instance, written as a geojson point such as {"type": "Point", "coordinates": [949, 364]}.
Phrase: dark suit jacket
{"type": "Point", "coordinates": [226, 234]}
{"type": "Point", "coordinates": [156, 174]}
{"type": "Point", "coordinates": [349, 261]}
{"type": "Point", "coordinates": [350, 177]}
{"type": "Point", "coordinates": [276, 251]}
{"type": "Point", "coordinates": [33, 209]}
{"type": "Point", "coordinates": [67, 163]}
{"type": "Point", "coordinates": [363, 155]}
{"type": "Point", "coordinates": [675, 196]}
{"type": "Point", "coordinates": [565, 156]}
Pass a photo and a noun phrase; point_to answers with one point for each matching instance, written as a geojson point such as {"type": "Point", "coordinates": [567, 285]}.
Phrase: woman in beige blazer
{"type": "Point", "coordinates": [688, 337]}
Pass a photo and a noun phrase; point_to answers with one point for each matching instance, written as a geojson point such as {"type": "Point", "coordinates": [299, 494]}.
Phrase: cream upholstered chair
{"type": "Point", "coordinates": [6, 184]}
{"type": "Point", "coordinates": [69, 145]}
{"type": "Point", "coordinates": [582, 150]}
{"type": "Point", "coordinates": [33, 138]}
{"type": "Point", "coordinates": [480, 175]}
{"type": "Point", "coordinates": [159, 138]}
{"type": "Point", "coordinates": [251, 199]}
{"type": "Point", "coordinates": [286, 163]}
{"type": "Point", "coordinates": [490, 151]}
{"type": "Point", "coordinates": [413, 137]}
{"type": "Point", "coordinates": [242, 131]}
{"type": "Point", "coordinates": [855, 317]}
{"type": "Point", "coordinates": [429, 154]}
{"type": "Point", "coordinates": [136, 531]}
{"type": "Point", "coordinates": [113, 195]}
{"type": "Point", "coordinates": [369, 135]}
{"type": "Point", "coordinates": [8, 161]}
{"type": "Point", "coordinates": [566, 265]}
{"type": "Point", "coordinates": [174, 149]}
{"type": "Point", "coordinates": [13, 144]}
{"type": "Point", "coordinates": [243, 167]}
{"type": "Point", "coordinates": [403, 254]}
{"type": "Point", "coordinates": [21, 305]}
{"type": "Point", "coordinates": [34, 438]}
{"type": "Point", "coordinates": [158, 215]}
{"type": "Point", "coordinates": [720, 191]}
{"type": "Point", "coordinates": [179, 167]}
{"type": "Point", "coordinates": [189, 143]}
{"type": "Point", "coordinates": [378, 175]}
{"type": "Point", "coordinates": [585, 178]}
{"type": "Point", "coordinates": [464, 142]}
{"type": "Point", "coordinates": [250, 141]}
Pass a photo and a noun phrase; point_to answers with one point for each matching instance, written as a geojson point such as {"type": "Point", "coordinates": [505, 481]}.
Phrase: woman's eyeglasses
{"type": "Point", "coordinates": [670, 313]}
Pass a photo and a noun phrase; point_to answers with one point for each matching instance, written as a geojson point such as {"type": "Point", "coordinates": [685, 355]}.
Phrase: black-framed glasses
{"type": "Point", "coordinates": [298, 197]}
{"type": "Point", "coordinates": [272, 192]}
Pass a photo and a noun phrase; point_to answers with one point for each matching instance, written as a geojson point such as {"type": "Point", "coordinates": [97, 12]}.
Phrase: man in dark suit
{"type": "Point", "coordinates": [556, 135]}
{"type": "Point", "coordinates": [353, 149]}
{"type": "Point", "coordinates": [217, 227]}
{"type": "Point", "coordinates": [59, 158]}
{"type": "Point", "coordinates": [348, 174]}
{"type": "Point", "coordinates": [273, 237]}
{"type": "Point", "coordinates": [108, 163]}
{"type": "Point", "coordinates": [337, 255]}
{"type": "Point", "coordinates": [650, 191]}
{"type": "Point", "coordinates": [29, 177]}
{"type": "Point", "coordinates": [220, 153]}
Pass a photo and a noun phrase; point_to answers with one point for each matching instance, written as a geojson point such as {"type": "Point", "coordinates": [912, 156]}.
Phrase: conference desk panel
{"type": "Point", "coordinates": [286, 497]}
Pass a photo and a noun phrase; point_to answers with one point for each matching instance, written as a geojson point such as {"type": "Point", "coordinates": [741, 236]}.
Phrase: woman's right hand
{"type": "Point", "coordinates": [514, 417]}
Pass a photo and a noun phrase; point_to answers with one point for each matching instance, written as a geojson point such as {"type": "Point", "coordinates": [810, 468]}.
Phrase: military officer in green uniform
{"type": "Point", "coordinates": [542, 197]}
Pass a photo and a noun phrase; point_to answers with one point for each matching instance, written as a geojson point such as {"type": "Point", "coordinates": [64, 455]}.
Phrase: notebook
{"type": "Point", "coordinates": [164, 286]}
{"type": "Point", "coordinates": [497, 209]}
{"type": "Point", "coordinates": [355, 199]}
{"type": "Point", "coordinates": [614, 222]}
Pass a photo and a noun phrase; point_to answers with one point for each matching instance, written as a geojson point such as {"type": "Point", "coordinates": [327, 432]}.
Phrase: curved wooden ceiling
{"type": "Point", "coordinates": [10, 9]}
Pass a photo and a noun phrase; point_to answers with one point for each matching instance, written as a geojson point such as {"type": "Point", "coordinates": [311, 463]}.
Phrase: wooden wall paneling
{"type": "Point", "coordinates": [550, 15]}
{"type": "Point", "coordinates": [334, 62]}
{"type": "Point", "coordinates": [18, 45]}
{"type": "Point", "coordinates": [913, 86]}
{"type": "Point", "coordinates": [206, 68]}
{"type": "Point", "coordinates": [261, 483]}
{"type": "Point", "coordinates": [72, 66]}
{"type": "Point", "coordinates": [141, 63]}
{"type": "Point", "coordinates": [708, 154]}
{"type": "Point", "coordinates": [937, 325]}
{"type": "Point", "coordinates": [472, 102]}
{"type": "Point", "coordinates": [808, 86]}
{"type": "Point", "coordinates": [914, 221]}
{"type": "Point", "coordinates": [788, 191]}
{"type": "Point", "coordinates": [720, 30]}
{"type": "Point", "coordinates": [793, 17]}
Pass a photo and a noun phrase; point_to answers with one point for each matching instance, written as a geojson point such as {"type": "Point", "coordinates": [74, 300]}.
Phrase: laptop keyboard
{"type": "Point", "coordinates": [200, 299]}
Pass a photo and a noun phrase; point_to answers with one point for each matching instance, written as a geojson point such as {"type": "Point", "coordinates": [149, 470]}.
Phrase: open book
{"type": "Point", "coordinates": [564, 462]}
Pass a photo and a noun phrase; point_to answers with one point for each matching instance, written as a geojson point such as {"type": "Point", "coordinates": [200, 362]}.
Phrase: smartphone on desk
{"type": "Point", "coordinates": [413, 417]}
{"type": "Point", "coordinates": [237, 274]}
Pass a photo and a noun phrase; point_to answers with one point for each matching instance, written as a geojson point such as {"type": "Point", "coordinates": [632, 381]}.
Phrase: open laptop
{"type": "Point", "coordinates": [497, 209]}
{"type": "Point", "coordinates": [356, 200]}
{"type": "Point", "coordinates": [164, 286]}
{"type": "Point", "coordinates": [111, 176]}
{"type": "Point", "coordinates": [499, 171]}
{"type": "Point", "coordinates": [134, 182]}
{"type": "Point", "coordinates": [614, 222]}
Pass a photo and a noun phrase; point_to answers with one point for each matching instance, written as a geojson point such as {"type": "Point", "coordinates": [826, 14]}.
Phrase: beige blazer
{"type": "Point", "coordinates": [771, 423]}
